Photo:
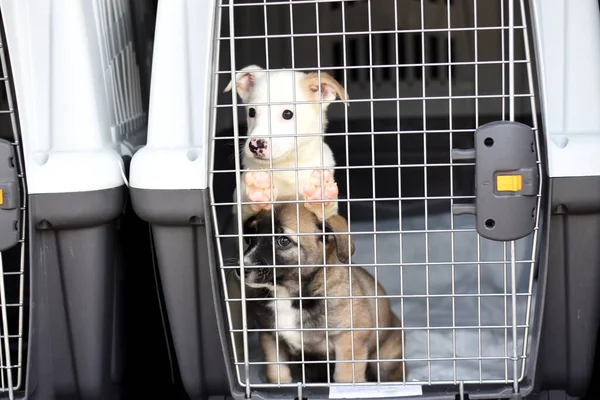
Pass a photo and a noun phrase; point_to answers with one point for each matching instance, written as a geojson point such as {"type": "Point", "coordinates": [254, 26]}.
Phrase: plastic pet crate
{"type": "Point", "coordinates": [71, 110]}
{"type": "Point", "coordinates": [496, 289]}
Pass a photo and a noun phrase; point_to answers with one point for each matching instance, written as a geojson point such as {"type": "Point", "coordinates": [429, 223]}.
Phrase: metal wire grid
{"type": "Point", "coordinates": [122, 74]}
{"type": "Point", "coordinates": [11, 300]}
{"type": "Point", "coordinates": [515, 327]}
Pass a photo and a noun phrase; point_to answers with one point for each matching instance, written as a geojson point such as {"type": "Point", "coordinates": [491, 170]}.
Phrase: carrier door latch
{"type": "Point", "coordinates": [9, 196]}
{"type": "Point", "coordinates": [506, 180]}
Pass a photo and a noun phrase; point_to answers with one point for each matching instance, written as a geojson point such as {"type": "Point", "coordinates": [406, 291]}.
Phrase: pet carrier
{"type": "Point", "coordinates": [72, 107]}
{"type": "Point", "coordinates": [477, 215]}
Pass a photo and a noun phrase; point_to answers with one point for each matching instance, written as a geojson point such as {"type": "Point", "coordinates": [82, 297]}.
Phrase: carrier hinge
{"type": "Point", "coordinates": [506, 180]}
{"type": "Point", "coordinates": [300, 395]}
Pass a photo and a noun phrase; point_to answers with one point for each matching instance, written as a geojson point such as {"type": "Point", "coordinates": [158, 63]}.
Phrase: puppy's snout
{"type": "Point", "coordinates": [247, 272]}
{"type": "Point", "coordinates": [261, 261]}
{"type": "Point", "coordinates": [258, 146]}
{"type": "Point", "coordinates": [257, 275]}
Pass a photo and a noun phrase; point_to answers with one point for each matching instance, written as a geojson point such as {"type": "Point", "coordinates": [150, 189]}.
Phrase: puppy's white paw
{"type": "Point", "coordinates": [345, 376]}
{"type": "Point", "coordinates": [321, 189]}
{"type": "Point", "coordinates": [258, 189]}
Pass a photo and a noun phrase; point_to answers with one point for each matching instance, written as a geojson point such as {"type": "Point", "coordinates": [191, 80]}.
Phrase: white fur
{"type": "Point", "coordinates": [286, 150]}
{"type": "Point", "coordinates": [288, 317]}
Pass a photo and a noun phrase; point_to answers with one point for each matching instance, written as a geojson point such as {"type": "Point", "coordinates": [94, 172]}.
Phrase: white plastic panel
{"type": "Point", "coordinates": [62, 102]}
{"type": "Point", "coordinates": [567, 34]}
{"type": "Point", "coordinates": [175, 156]}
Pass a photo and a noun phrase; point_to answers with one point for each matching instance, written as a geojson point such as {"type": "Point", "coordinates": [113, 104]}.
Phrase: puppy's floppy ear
{"type": "Point", "coordinates": [329, 87]}
{"type": "Point", "coordinates": [245, 81]}
{"type": "Point", "coordinates": [344, 245]}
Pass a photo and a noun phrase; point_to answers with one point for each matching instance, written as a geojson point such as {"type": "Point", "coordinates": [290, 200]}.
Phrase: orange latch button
{"type": "Point", "coordinates": [509, 183]}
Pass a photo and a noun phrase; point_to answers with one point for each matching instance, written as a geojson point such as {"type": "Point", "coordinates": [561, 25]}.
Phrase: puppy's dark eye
{"type": "Point", "coordinates": [252, 113]}
{"type": "Point", "coordinates": [287, 114]}
{"type": "Point", "coordinates": [284, 241]}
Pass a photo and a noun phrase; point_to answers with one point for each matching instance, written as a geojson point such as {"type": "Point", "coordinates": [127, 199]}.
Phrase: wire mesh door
{"type": "Point", "coordinates": [420, 78]}
{"type": "Point", "coordinates": [13, 260]}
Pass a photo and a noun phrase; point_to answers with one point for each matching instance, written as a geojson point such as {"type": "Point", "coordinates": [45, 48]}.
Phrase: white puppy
{"type": "Point", "coordinates": [275, 117]}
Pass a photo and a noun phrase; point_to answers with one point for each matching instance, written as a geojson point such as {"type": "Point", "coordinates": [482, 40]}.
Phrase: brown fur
{"type": "Point", "coordinates": [310, 85]}
{"type": "Point", "coordinates": [316, 282]}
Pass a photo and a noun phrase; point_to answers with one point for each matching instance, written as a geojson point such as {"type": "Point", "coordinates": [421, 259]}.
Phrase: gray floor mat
{"type": "Point", "coordinates": [482, 324]}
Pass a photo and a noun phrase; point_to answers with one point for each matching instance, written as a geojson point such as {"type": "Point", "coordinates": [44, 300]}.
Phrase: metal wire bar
{"type": "Point", "coordinates": [513, 268]}
{"type": "Point", "coordinates": [425, 183]}
{"type": "Point", "coordinates": [240, 227]}
{"type": "Point", "coordinates": [404, 264]}
{"type": "Point", "coordinates": [504, 269]}
{"type": "Point", "coordinates": [379, 133]}
{"type": "Point", "coordinates": [369, 232]}
{"type": "Point", "coordinates": [396, 64]}
{"type": "Point", "coordinates": [212, 159]}
{"type": "Point", "coordinates": [313, 362]}
{"type": "Point", "coordinates": [476, 76]}
{"type": "Point", "coordinates": [387, 296]}
{"type": "Point", "coordinates": [534, 249]}
{"type": "Point", "coordinates": [374, 187]}
{"type": "Point", "coordinates": [296, 172]}
{"type": "Point", "coordinates": [345, 83]}
{"type": "Point", "coordinates": [450, 126]}
{"type": "Point", "coordinates": [299, 35]}
{"type": "Point", "coordinates": [440, 382]}
{"type": "Point", "coordinates": [386, 99]}
{"type": "Point", "coordinates": [5, 330]}
{"type": "Point", "coordinates": [298, 205]}
{"type": "Point", "coordinates": [399, 155]}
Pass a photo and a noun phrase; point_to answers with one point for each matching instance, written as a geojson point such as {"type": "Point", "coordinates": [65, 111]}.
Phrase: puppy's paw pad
{"type": "Point", "coordinates": [258, 190]}
{"type": "Point", "coordinates": [257, 179]}
{"type": "Point", "coordinates": [320, 188]}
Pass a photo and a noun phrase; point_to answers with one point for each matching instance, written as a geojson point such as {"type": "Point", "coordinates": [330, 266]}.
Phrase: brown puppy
{"type": "Point", "coordinates": [313, 283]}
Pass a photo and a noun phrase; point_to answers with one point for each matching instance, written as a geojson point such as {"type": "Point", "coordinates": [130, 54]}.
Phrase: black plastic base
{"type": "Point", "coordinates": [75, 326]}
{"type": "Point", "coordinates": [572, 298]}
{"type": "Point", "coordinates": [552, 395]}
{"type": "Point", "coordinates": [183, 244]}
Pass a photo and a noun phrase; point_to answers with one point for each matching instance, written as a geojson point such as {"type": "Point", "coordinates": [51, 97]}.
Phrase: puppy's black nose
{"type": "Point", "coordinates": [257, 146]}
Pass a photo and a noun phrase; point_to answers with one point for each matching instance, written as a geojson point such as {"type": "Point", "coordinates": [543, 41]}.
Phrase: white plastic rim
{"type": "Point", "coordinates": [176, 154]}
{"type": "Point", "coordinates": [566, 39]}
{"type": "Point", "coordinates": [60, 95]}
